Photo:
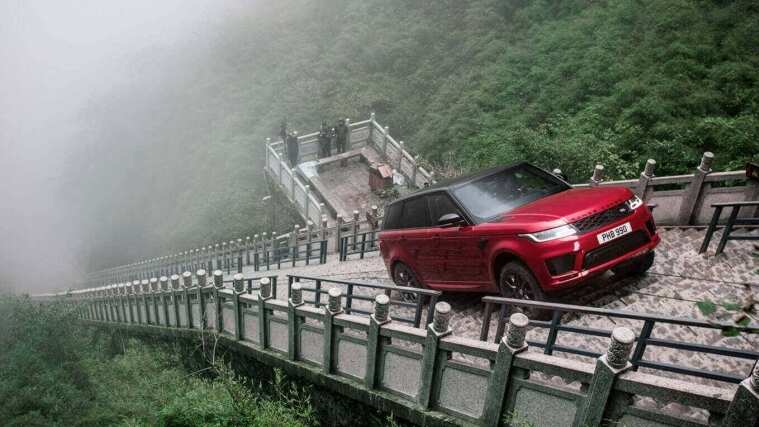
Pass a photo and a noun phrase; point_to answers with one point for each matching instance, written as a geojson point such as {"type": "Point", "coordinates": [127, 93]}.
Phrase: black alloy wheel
{"type": "Point", "coordinates": [516, 281]}
{"type": "Point", "coordinates": [403, 275]}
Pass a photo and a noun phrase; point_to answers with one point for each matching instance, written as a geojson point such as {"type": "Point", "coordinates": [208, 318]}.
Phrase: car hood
{"type": "Point", "coordinates": [567, 207]}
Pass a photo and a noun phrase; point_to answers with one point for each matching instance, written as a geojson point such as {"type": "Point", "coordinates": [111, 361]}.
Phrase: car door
{"type": "Point", "coordinates": [455, 248]}
{"type": "Point", "coordinates": [416, 239]}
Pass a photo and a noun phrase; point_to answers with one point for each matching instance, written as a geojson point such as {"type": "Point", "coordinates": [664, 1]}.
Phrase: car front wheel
{"type": "Point", "coordinates": [516, 281]}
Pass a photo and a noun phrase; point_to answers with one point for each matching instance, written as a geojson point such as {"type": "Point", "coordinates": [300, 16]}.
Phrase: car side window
{"type": "Point", "coordinates": [415, 214]}
{"type": "Point", "coordinates": [392, 216]}
{"type": "Point", "coordinates": [441, 204]}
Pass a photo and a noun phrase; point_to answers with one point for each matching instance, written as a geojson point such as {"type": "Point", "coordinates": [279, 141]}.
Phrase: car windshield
{"type": "Point", "coordinates": [493, 195]}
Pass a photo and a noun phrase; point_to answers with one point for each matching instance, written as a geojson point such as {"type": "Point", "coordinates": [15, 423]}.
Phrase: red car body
{"type": "Point", "coordinates": [466, 256]}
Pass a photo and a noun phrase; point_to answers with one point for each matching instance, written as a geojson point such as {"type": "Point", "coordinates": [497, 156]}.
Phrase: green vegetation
{"type": "Point", "coordinates": [53, 373]}
{"type": "Point", "coordinates": [562, 84]}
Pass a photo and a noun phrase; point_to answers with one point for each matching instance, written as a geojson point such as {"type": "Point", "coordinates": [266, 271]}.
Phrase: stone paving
{"type": "Point", "coordinates": [678, 280]}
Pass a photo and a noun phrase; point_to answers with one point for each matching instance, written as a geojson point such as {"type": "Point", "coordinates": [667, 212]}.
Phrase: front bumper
{"type": "Point", "coordinates": [590, 257]}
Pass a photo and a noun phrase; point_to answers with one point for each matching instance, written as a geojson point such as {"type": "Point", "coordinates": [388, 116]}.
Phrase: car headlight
{"type": "Point", "coordinates": [551, 233]}
{"type": "Point", "coordinates": [634, 203]}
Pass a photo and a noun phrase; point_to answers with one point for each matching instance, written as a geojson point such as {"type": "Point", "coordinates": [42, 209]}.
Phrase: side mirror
{"type": "Point", "coordinates": [450, 220]}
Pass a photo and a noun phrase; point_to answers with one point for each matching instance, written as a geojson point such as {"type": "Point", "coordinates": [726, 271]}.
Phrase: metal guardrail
{"type": "Point", "coordinates": [732, 221]}
{"type": "Point", "coordinates": [306, 251]}
{"type": "Point", "coordinates": [423, 296]}
{"type": "Point", "coordinates": [643, 336]}
{"type": "Point", "coordinates": [360, 243]}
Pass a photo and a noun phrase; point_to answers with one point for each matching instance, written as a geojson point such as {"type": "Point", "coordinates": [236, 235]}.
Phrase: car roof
{"type": "Point", "coordinates": [453, 183]}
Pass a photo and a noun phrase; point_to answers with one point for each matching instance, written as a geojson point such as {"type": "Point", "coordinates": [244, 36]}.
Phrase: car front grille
{"type": "Point", "coordinates": [598, 220]}
{"type": "Point", "coordinates": [615, 248]}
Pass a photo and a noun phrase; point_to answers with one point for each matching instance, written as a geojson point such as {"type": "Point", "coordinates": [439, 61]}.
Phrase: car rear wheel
{"type": "Point", "coordinates": [636, 266]}
{"type": "Point", "coordinates": [516, 281]}
{"type": "Point", "coordinates": [403, 275]}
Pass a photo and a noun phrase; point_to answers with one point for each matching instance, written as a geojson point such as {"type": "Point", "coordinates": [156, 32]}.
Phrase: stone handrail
{"type": "Point", "coordinates": [434, 378]}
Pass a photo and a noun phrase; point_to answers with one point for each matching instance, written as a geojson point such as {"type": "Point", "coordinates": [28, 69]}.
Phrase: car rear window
{"type": "Point", "coordinates": [392, 216]}
{"type": "Point", "coordinates": [415, 213]}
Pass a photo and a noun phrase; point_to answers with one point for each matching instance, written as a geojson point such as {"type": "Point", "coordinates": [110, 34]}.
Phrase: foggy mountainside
{"type": "Point", "coordinates": [171, 157]}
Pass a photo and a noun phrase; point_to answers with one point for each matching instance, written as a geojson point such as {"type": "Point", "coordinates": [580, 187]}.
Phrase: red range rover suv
{"type": "Point", "coordinates": [516, 230]}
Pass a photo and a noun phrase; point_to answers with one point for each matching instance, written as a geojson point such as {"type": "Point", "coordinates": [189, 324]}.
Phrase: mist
{"type": "Point", "coordinates": [61, 63]}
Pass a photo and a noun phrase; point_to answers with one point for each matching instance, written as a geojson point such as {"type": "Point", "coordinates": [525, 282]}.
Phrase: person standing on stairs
{"type": "Point", "coordinates": [292, 149]}
{"type": "Point", "coordinates": [342, 135]}
{"type": "Point", "coordinates": [325, 143]}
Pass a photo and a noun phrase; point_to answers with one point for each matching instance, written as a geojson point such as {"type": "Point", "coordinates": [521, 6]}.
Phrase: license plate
{"type": "Point", "coordinates": [615, 232]}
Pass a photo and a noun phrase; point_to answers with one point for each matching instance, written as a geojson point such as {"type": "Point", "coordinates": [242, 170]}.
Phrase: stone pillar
{"type": "Point", "coordinates": [238, 284]}
{"type": "Point", "coordinates": [437, 330]}
{"type": "Point", "coordinates": [333, 308]}
{"type": "Point", "coordinates": [201, 278]}
{"type": "Point", "coordinates": [692, 193]}
{"type": "Point", "coordinates": [512, 344]}
{"type": "Point", "coordinates": [338, 232]}
{"type": "Point", "coordinates": [644, 179]}
{"type": "Point", "coordinates": [598, 176]}
{"type": "Point", "coordinates": [744, 408]}
{"type": "Point", "coordinates": [264, 294]}
{"type": "Point", "coordinates": [608, 368]}
{"type": "Point", "coordinates": [380, 317]}
{"type": "Point", "coordinates": [295, 301]}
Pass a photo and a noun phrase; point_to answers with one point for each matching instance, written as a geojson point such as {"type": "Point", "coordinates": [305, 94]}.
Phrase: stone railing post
{"type": "Point", "coordinates": [356, 225]}
{"type": "Point", "coordinates": [154, 296]}
{"type": "Point", "coordinates": [218, 283]}
{"type": "Point", "coordinates": [136, 300]}
{"type": "Point", "coordinates": [692, 193]}
{"type": "Point", "coordinates": [238, 285]}
{"type": "Point", "coordinates": [644, 179]}
{"type": "Point", "coordinates": [338, 232]}
{"type": "Point", "coordinates": [323, 229]}
{"type": "Point", "coordinates": [264, 294]}
{"type": "Point", "coordinates": [744, 408]}
{"type": "Point", "coordinates": [608, 368]}
{"type": "Point", "coordinates": [295, 301]}
{"type": "Point", "coordinates": [186, 285]}
{"type": "Point", "coordinates": [200, 275]}
{"type": "Point", "coordinates": [438, 329]}
{"type": "Point", "coordinates": [512, 344]}
{"type": "Point", "coordinates": [373, 338]}
{"type": "Point", "coordinates": [162, 294]}
{"type": "Point", "coordinates": [175, 299]}
{"type": "Point", "coordinates": [598, 176]}
{"type": "Point", "coordinates": [333, 308]}
{"type": "Point", "coordinates": [248, 244]}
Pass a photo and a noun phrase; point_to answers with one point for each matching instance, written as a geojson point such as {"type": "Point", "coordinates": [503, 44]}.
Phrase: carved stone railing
{"type": "Point", "coordinates": [685, 199]}
{"type": "Point", "coordinates": [428, 377]}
